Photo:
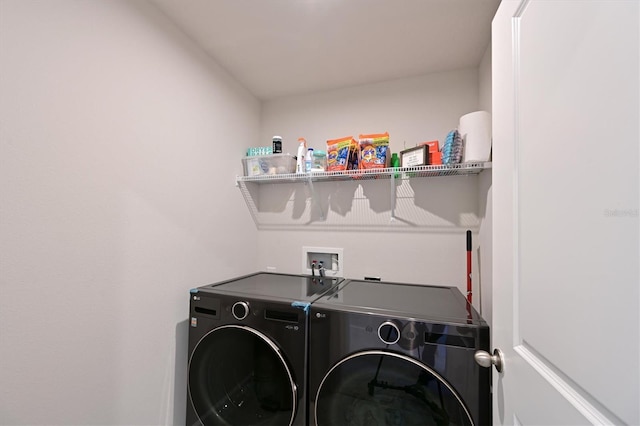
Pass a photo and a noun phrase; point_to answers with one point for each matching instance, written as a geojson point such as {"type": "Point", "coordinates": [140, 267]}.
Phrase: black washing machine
{"type": "Point", "coordinates": [247, 350]}
{"type": "Point", "coordinates": [397, 354]}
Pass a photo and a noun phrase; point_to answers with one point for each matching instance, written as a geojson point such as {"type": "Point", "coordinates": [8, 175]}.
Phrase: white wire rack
{"type": "Point", "coordinates": [355, 198]}
{"type": "Point", "coordinates": [397, 173]}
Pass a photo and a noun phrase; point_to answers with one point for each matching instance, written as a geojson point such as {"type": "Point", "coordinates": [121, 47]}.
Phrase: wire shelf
{"type": "Point", "coordinates": [396, 173]}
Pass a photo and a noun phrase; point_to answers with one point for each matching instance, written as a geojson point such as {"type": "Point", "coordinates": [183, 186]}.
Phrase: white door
{"type": "Point", "coordinates": [565, 205]}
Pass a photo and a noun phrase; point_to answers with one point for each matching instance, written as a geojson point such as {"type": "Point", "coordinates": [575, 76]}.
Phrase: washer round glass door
{"type": "Point", "coordinates": [238, 376]}
{"type": "Point", "coordinates": [385, 388]}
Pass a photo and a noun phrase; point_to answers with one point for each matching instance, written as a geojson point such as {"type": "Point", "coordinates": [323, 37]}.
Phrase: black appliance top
{"type": "Point", "coordinates": [273, 286]}
{"type": "Point", "coordinates": [407, 300]}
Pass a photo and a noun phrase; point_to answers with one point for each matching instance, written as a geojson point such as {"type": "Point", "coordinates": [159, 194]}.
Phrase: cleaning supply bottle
{"type": "Point", "coordinates": [277, 144]}
{"type": "Point", "coordinates": [300, 159]}
{"type": "Point", "coordinates": [395, 163]}
{"type": "Point", "coordinates": [308, 161]}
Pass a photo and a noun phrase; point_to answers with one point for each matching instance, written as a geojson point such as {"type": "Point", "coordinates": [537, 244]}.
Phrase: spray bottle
{"type": "Point", "coordinates": [308, 161]}
{"type": "Point", "coordinates": [300, 159]}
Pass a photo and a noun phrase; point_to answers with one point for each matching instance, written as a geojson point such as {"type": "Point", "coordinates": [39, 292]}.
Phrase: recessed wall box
{"type": "Point", "coordinates": [332, 260]}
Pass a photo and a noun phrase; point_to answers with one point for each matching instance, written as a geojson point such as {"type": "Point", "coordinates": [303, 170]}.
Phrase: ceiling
{"type": "Point", "coordinates": [278, 48]}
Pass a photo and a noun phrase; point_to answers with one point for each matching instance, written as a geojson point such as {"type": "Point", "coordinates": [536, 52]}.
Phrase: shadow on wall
{"type": "Point", "coordinates": [335, 198]}
{"type": "Point", "coordinates": [427, 205]}
{"type": "Point", "coordinates": [318, 198]}
{"type": "Point", "coordinates": [452, 199]}
{"type": "Point", "coordinates": [180, 381]}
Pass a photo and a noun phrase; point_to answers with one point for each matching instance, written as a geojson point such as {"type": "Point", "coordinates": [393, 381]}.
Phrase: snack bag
{"type": "Point", "coordinates": [342, 154]}
{"type": "Point", "coordinates": [374, 151]}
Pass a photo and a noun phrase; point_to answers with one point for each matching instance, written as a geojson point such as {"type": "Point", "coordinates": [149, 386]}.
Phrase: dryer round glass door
{"type": "Point", "coordinates": [386, 388]}
{"type": "Point", "coordinates": [238, 376]}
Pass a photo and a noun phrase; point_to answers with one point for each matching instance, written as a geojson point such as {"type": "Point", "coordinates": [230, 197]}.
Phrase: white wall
{"type": "Point", "coordinates": [118, 149]}
{"type": "Point", "coordinates": [412, 111]}
{"type": "Point", "coordinates": [484, 77]}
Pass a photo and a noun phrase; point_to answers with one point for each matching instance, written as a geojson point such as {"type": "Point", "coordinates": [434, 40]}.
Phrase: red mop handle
{"type": "Point", "coordinates": [469, 288]}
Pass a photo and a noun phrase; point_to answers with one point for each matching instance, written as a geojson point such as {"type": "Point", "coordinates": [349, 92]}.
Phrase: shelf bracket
{"type": "Point", "coordinates": [393, 197]}
{"type": "Point", "coordinates": [253, 209]}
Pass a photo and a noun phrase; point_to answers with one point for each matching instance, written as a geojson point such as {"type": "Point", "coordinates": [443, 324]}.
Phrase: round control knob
{"type": "Point", "coordinates": [240, 310]}
{"type": "Point", "coordinates": [389, 333]}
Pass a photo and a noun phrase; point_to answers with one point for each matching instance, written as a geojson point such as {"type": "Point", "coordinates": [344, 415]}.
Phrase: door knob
{"type": "Point", "coordinates": [485, 359]}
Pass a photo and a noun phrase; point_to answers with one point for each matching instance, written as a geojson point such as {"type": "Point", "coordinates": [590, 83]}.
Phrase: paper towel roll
{"type": "Point", "coordinates": [475, 129]}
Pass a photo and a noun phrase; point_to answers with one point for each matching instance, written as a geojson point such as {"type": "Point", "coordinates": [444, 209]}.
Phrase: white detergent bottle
{"type": "Point", "coordinates": [308, 161]}
{"type": "Point", "coordinates": [300, 159]}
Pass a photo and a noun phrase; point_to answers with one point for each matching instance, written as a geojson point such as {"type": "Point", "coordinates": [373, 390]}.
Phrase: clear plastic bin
{"type": "Point", "coordinates": [274, 164]}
